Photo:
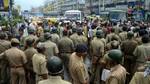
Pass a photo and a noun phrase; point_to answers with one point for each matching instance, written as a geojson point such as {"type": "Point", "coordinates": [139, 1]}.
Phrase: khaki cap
{"type": "Point", "coordinates": [14, 40]}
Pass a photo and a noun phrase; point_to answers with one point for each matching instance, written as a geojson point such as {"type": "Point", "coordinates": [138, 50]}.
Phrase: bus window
{"type": "Point", "coordinates": [74, 15]}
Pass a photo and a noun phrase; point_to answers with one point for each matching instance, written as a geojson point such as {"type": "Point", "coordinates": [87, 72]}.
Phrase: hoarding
{"type": "Point", "coordinates": [4, 5]}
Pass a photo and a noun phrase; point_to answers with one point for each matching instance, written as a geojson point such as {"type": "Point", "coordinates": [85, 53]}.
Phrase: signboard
{"type": "Point", "coordinates": [4, 5]}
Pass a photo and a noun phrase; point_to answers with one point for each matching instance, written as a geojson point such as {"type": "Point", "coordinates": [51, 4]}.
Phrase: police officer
{"type": "Point", "coordinates": [123, 34]}
{"type": "Point", "coordinates": [128, 46]}
{"type": "Point", "coordinates": [142, 52]}
{"type": "Point", "coordinates": [31, 32]}
{"type": "Point", "coordinates": [111, 35]}
{"type": "Point", "coordinates": [54, 35]}
{"type": "Point", "coordinates": [81, 39]}
{"type": "Point", "coordinates": [77, 67]}
{"type": "Point", "coordinates": [66, 47]}
{"type": "Point", "coordinates": [51, 47]}
{"type": "Point", "coordinates": [4, 45]}
{"type": "Point", "coordinates": [74, 36]}
{"type": "Point", "coordinates": [55, 68]}
{"type": "Point", "coordinates": [39, 63]}
{"type": "Point", "coordinates": [100, 34]}
{"type": "Point", "coordinates": [114, 41]}
{"type": "Point", "coordinates": [29, 52]}
{"type": "Point", "coordinates": [16, 59]}
{"type": "Point", "coordinates": [117, 71]}
{"type": "Point", "coordinates": [142, 77]}
{"type": "Point", "coordinates": [97, 52]}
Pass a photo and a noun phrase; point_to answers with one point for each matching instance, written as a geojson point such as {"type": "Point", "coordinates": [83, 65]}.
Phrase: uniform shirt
{"type": "Point", "coordinates": [139, 40]}
{"type": "Point", "coordinates": [128, 47]}
{"type": "Point", "coordinates": [65, 45]}
{"type": "Point", "coordinates": [55, 38]}
{"type": "Point", "coordinates": [4, 45]}
{"type": "Point", "coordinates": [139, 78]}
{"type": "Point", "coordinates": [39, 64]}
{"type": "Point", "coordinates": [77, 69]}
{"type": "Point", "coordinates": [97, 47]}
{"type": "Point", "coordinates": [104, 41]}
{"type": "Point", "coordinates": [29, 52]}
{"type": "Point", "coordinates": [117, 76]}
{"type": "Point", "coordinates": [15, 57]}
{"type": "Point", "coordinates": [51, 49]}
{"type": "Point", "coordinates": [81, 39]}
{"type": "Point", "coordinates": [123, 36]}
{"type": "Point", "coordinates": [142, 52]}
{"type": "Point", "coordinates": [54, 80]}
{"type": "Point", "coordinates": [73, 37]}
{"type": "Point", "coordinates": [30, 36]}
{"type": "Point", "coordinates": [110, 36]}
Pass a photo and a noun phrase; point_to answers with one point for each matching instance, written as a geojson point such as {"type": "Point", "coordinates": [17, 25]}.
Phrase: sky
{"type": "Point", "coordinates": [28, 4]}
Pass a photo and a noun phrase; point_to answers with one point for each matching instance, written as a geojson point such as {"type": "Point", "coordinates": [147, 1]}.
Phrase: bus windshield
{"type": "Point", "coordinates": [117, 16]}
{"type": "Point", "coordinates": [73, 16]}
{"type": "Point", "coordinates": [114, 15]}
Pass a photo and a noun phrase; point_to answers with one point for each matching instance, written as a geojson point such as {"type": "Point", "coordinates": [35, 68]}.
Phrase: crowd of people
{"type": "Point", "coordinates": [92, 52]}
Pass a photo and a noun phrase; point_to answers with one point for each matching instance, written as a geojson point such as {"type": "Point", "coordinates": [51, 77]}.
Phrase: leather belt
{"type": "Point", "coordinates": [18, 66]}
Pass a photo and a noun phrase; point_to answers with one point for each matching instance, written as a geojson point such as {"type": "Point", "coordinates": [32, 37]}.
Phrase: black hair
{"type": "Point", "coordinates": [145, 39]}
{"type": "Point", "coordinates": [14, 44]}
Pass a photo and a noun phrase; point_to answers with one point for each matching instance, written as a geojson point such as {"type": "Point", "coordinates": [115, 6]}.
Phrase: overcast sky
{"type": "Point", "coordinates": [28, 4]}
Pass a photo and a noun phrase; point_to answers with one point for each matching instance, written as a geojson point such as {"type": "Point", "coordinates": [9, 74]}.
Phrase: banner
{"type": "Point", "coordinates": [4, 5]}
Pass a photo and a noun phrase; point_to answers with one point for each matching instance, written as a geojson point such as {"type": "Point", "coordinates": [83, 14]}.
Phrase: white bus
{"type": "Point", "coordinates": [117, 15]}
{"type": "Point", "coordinates": [74, 15]}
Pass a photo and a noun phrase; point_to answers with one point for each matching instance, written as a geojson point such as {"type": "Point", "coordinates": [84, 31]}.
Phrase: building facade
{"type": "Point", "coordinates": [96, 6]}
{"type": "Point", "coordinates": [63, 5]}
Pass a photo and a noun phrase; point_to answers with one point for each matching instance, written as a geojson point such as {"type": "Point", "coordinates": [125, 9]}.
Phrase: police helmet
{"type": "Point", "coordinates": [55, 65]}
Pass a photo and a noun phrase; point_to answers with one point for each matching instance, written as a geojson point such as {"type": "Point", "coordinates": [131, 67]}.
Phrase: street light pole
{"type": "Point", "coordinates": [103, 5]}
{"type": "Point", "coordinates": [10, 15]}
{"type": "Point", "coordinates": [99, 6]}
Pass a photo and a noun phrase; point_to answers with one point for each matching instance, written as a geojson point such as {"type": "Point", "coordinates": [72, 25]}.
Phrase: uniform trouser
{"type": "Point", "coordinates": [18, 76]}
{"type": "Point", "coordinates": [30, 77]}
{"type": "Point", "coordinates": [4, 72]}
{"type": "Point", "coordinates": [129, 65]}
{"type": "Point", "coordinates": [65, 58]}
{"type": "Point", "coordinates": [96, 73]}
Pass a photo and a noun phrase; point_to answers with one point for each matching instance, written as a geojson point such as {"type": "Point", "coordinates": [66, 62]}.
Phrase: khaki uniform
{"type": "Point", "coordinates": [54, 80]}
{"type": "Point", "coordinates": [139, 78]}
{"type": "Point", "coordinates": [66, 47]}
{"type": "Point", "coordinates": [74, 37]}
{"type": "Point", "coordinates": [39, 66]}
{"type": "Point", "coordinates": [4, 76]}
{"type": "Point", "coordinates": [117, 29]}
{"type": "Point", "coordinates": [29, 52]}
{"type": "Point", "coordinates": [117, 76]}
{"type": "Point", "coordinates": [51, 49]}
{"type": "Point", "coordinates": [97, 51]}
{"type": "Point", "coordinates": [139, 40]}
{"type": "Point", "coordinates": [81, 39]}
{"type": "Point", "coordinates": [55, 38]}
{"type": "Point", "coordinates": [123, 36]}
{"type": "Point", "coordinates": [109, 46]}
{"type": "Point", "coordinates": [97, 48]}
{"type": "Point", "coordinates": [128, 48]}
{"type": "Point", "coordinates": [77, 69]}
{"type": "Point", "coordinates": [4, 45]}
{"type": "Point", "coordinates": [16, 59]}
{"type": "Point", "coordinates": [142, 52]}
{"type": "Point", "coordinates": [104, 41]}
{"type": "Point", "coordinates": [30, 36]}
{"type": "Point", "coordinates": [110, 36]}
